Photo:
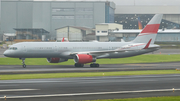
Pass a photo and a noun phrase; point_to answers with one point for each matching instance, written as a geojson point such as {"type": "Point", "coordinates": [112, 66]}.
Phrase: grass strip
{"type": "Point", "coordinates": [88, 74]}
{"type": "Point", "coordinates": [150, 58]}
{"type": "Point", "coordinates": [164, 98]}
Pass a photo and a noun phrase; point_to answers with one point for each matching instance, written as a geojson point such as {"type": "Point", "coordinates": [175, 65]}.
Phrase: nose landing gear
{"type": "Point", "coordinates": [23, 62]}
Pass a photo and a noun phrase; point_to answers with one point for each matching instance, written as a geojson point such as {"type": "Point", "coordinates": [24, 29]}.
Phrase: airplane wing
{"type": "Point", "coordinates": [99, 53]}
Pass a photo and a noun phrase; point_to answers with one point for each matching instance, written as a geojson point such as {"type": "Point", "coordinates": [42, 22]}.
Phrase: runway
{"type": "Point", "coordinates": [89, 88]}
{"type": "Point", "coordinates": [15, 69]}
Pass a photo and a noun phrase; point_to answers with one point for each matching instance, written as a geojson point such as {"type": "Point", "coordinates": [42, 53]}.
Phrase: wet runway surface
{"type": "Point", "coordinates": [89, 88]}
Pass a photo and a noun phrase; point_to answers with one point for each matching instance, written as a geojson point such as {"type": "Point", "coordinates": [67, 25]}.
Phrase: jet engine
{"type": "Point", "coordinates": [83, 58]}
{"type": "Point", "coordinates": [56, 60]}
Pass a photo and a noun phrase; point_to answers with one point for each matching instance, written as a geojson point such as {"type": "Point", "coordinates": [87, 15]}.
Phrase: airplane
{"type": "Point", "coordinates": [88, 52]}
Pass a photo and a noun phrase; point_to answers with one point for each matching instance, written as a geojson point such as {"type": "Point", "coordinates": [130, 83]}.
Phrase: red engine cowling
{"type": "Point", "coordinates": [56, 60]}
{"type": "Point", "coordinates": [83, 58]}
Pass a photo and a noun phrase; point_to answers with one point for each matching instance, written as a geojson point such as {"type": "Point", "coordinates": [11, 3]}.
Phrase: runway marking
{"type": "Point", "coordinates": [10, 90]}
{"type": "Point", "coordinates": [95, 93]}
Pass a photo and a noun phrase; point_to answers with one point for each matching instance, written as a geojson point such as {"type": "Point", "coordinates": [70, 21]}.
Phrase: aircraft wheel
{"type": "Point", "coordinates": [94, 65]}
{"type": "Point", "coordinates": [97, 65]}
{"type": "Point", "coordinates": [81, 65]}
{"type": "Point", "coordinates": [78, 65]}
{"type": "Point", "coordinates": [24, 66]}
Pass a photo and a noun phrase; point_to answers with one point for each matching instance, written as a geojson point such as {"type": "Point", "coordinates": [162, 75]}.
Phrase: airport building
{"type": "Point", "coordinates": [74, 33]}
{"type": "Point", "coordinates": [30, 15]}
{"type": "Point", "coordinates": [30, 19]}
{"type": "Point", "coordinates": [130, 12]}
{"type": "Point", "coordinates": [103, 29]}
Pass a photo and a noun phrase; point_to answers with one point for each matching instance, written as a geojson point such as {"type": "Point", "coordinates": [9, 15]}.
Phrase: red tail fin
{"type": "Point", "coordinates": [150, 31]}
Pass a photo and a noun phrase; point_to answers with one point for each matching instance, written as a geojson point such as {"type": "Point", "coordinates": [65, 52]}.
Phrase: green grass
{"type": "Point", "coordinates": [136, 59]}
{"type": "Point", "coordinates": [88, 74]}
{"type": "Point", "coordinates": [168, 98]}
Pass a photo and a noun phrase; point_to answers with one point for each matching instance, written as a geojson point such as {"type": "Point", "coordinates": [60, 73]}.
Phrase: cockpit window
{"type": "Point", "coordinates": [13, 48]}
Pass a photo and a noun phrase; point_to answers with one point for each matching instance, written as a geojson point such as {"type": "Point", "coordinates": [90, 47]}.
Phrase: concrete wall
{"type": "Point", "coordinates": [102, 29]}
{"type": "Point", "coordinates": [74, 34]}
{"type": "Point", "coordinates": [103, 39]}
{"type": "Point", "coordinates": [60, 33]}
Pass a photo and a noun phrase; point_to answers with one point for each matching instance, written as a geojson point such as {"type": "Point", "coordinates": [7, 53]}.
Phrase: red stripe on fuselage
{"type": "Point", "coordinates": [151, 28]}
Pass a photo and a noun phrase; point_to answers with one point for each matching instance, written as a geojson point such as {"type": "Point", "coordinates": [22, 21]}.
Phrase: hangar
{"type": "Point", "coordinates": [74, 33]}
{"type": "Point", "coordinates": [53, 14]}
{"type": "Point", "coordinates": [50, 15]}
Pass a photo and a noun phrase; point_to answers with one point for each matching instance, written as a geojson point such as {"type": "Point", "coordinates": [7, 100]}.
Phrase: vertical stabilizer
{"type": "Point", "coordinates": [150, 30]}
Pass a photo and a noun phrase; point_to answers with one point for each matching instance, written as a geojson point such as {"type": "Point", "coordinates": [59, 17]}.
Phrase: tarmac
{"type": "Point", "coordinates": [90, 88]}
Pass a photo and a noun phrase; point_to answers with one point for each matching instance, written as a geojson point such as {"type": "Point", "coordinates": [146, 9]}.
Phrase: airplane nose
{"type": "Point", "coordinates": [6, 53]}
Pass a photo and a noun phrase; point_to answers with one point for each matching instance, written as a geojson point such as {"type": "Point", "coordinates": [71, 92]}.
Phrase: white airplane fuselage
{"type": "Point", "coordinates": [64, 49]}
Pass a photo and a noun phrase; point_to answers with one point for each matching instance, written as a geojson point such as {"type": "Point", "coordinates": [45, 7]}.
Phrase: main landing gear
{"type": "Point", "coordinates": [82, 65]}
{"type": "Point", "coordinates": [78, 65]}
{"type": "Point", "coordinates": [94, 65]}
{"type": "Point", "coordinates": [23, 62]}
